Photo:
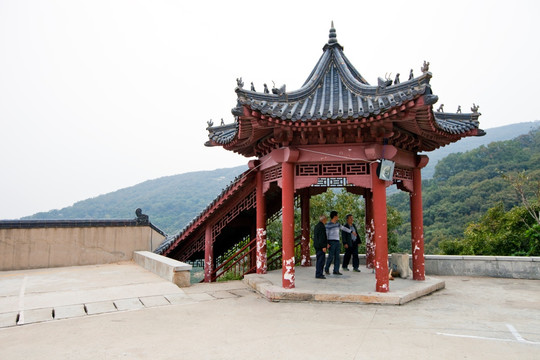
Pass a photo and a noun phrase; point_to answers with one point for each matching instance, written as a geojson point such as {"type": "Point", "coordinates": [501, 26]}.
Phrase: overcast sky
{"type": "Point", "coordinates": [100, 95]}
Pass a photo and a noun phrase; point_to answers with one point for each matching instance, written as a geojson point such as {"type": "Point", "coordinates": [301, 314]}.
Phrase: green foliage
{"type": "Point", "coordinates": [228, 276]}
{"type": "Point", "coordinates": [498, 232]}
{"type": "Point", "coordinates": [467, 186]}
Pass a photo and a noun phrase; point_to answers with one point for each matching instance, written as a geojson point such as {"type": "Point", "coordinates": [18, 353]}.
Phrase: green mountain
{"type": "Point", "coordinates": [501, 133]}
{"type": "Point", "coordinates": [170, 202]}
{"type": "Point", "coordinates": [466, 185]}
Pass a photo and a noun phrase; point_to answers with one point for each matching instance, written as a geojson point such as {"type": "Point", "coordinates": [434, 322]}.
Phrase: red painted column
{"type": "Point", "coordinates": [370, 244]}
{"type": "Point", "coordinates": [304, 206]}
{"type": "Point", "coordinates": [208, 254]}
{"type": "Point", "coordinates": [287, 202]}
{"type": "Point", "coordinates": [417, 227]}
{"type": "Point", "coordinates": [381, 231]}
{"type": "Point", "coordinates": [261, 225]}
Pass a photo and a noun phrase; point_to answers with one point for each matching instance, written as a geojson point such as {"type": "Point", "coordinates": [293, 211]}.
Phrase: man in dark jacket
{"type": "Point", "coordinates": [350, 242]}
{"type": "Point", "coordinates": [320, 243]}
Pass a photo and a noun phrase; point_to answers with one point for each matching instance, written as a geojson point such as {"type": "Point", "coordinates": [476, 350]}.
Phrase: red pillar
{"type": "Point", "coordinates": [208, 254]}
{"type": "Point", "coordinates": [287, 202]}
{"type": "Point", "coordinates": [370, 244]}
{"type": "Point", "coordinates": [417, 227]}
{"type": "Point", "coordinates": [261, 225]}
{"type": "Point", "coordinates": [380, 234]}
{"type": "Point", "coordinates": [304, 206]}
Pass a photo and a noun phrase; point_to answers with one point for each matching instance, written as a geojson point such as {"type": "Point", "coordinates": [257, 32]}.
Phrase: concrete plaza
{"type": "Point", "coordinates": [130, 313]}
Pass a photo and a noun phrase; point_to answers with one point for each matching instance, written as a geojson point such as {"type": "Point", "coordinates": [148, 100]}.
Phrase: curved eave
{"type": "Point", "coordinates": [222, 135]}
{"type": "Point", "coordinates": [458, 123]}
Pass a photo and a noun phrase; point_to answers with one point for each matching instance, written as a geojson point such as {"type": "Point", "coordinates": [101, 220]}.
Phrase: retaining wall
{"type": "Point", "coordinates": [56, 246]}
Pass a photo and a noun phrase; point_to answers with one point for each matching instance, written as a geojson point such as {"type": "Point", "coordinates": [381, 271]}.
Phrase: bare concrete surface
{"type": "Point", "coordinates": [471, 318]}
{"type": "Point", "coordinates": [352, 287]}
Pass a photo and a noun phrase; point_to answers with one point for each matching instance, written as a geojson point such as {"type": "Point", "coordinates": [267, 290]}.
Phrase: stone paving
{"type": "Point", "coordinates": [35, 296]}
{"type": "Point", "coordinates": [471, 318]}
{"type": "Point", "coordinates": [351, 287]}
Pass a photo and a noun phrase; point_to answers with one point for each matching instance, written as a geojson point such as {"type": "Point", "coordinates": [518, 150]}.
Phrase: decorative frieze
{"type": "Point", "coordinates": [332, 169]}
{"type": "Point", "coordinates": [331, 182]}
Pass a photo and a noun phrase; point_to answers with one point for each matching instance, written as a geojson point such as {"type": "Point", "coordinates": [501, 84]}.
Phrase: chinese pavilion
{"type": "Point", "coordinates": [337, 130]}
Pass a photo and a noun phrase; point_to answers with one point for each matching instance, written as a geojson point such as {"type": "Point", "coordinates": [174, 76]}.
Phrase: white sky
{"type": "Point", "coordinates": [100, 95]}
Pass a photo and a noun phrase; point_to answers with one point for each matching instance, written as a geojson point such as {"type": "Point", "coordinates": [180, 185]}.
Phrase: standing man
{"type": "Point", "coordinates": [320, 243]}
{"type": "Point", "coordinates": [350, 242]}
{"type": "Point", "coordinates": [332, 232]}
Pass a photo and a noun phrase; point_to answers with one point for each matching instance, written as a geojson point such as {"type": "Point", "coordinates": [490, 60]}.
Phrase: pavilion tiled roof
{"type": "Point", "coordinates": [336, 91]}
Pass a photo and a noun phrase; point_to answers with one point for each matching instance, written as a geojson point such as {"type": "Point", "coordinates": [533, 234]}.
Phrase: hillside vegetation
{"type": "Point", "coordinates": [466, 185]}
{"type": "Point", "coordinates": [463, 188]}
{"type": "Point", "coordinates": [170, 202]}
{"type": "Point", "coordinates": [501, 133]}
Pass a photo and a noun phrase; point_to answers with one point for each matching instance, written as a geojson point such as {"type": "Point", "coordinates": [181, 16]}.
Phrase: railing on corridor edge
{"type": "Point", "coordinates": [243, 261]}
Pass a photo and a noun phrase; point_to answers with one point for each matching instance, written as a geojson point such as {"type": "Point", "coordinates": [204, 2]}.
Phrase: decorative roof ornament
{"type": "Point", "coordinates": [252, 87]}
{"type": "Point", "coordinates": [396, 80]}
{"type": "Point", "coordinates": [142, 219]}
{"type": "Point", "coordinates": [239, 83]}
{"type": "Point", "coordinates": [332, 37]}
{"type": "Point", "coordinates": [266, 89]}
{"type": "Point", "coordinates": [425, 67]}
{"type": "Point", "coordinates": [441, 108]}
{"type": "Point", "coordinates": [384, 83]}
{"type": "Point", "coordinates": [458, 109]}
{"type": "Point", "coordinates": [411, 75]}
{"type": "Point", "coordinates": [279, 91]}
{"type": "Point", "coordinates": [475, 108]}
{"type": "Point", "coordinates": [210, 123]}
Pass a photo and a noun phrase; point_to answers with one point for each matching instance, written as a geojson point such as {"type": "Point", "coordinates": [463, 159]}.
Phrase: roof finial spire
{"type": "Point", "coordinates": [332, 37]}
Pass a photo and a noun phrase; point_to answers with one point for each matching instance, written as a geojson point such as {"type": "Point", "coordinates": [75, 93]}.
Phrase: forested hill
{"type": "Point", "coordinates": [170, 202]}
{"type": "Point", "coordinates": [466, 185]}
{"type": "Point", "coordinates": [507, 132]}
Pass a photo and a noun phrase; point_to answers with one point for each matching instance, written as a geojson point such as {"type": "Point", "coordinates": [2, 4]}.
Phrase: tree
{"type": "Point", "coordinates": [527, 188]}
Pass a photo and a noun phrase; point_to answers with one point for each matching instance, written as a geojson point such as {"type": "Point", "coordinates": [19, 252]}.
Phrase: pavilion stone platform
{"type": "Point", "coordinates": [351, 287]}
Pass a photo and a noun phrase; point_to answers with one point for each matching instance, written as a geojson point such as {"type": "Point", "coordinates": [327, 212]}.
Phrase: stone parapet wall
{"type": "Point", "coordinates": [44, 247]}
{"type": "Point", "coordinates": [514, 267]}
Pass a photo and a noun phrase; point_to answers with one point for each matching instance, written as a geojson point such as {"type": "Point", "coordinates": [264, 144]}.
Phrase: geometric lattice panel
{"type": "Point", "coordinates": [332, 169]}
{"type": "Point", "coordinates": [402, 174]}
{"type": "Point", "coordinates": [331, 182]}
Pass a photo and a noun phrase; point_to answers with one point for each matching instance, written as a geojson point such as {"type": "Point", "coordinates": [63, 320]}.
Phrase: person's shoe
{"type": "Point", "coordinates": [345, 269]}
{"type": "Point", "coordinates": [327, 272]}
{"type": "Point", "coordinates": [357, 270]}
{"type": "Point", "coordinates": [338, 273]}
{"type": "Point", "coordinates": [321, 277]}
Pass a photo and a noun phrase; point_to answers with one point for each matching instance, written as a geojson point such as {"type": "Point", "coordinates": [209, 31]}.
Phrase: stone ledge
{"type": "Point", "coordinates": [356, 292]}
{"type": "Point", "coordinates": [517, 267]}
{"type": "Point", "coordinates": [167, 268]}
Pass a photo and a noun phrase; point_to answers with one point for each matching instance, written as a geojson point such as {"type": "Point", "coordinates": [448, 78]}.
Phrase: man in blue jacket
{"type": "Point", "coordinates": [332, 232]}
{"type": "Point", "coordinates": [350, 243]}
{"type": "Point", "coordinates": [320, 243]}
